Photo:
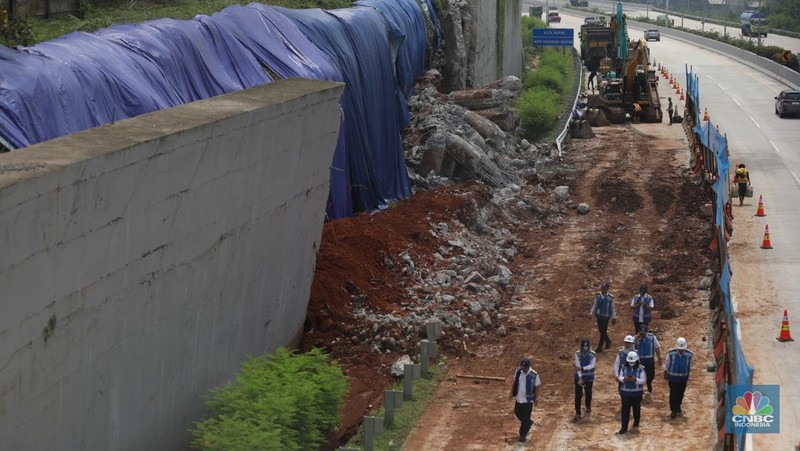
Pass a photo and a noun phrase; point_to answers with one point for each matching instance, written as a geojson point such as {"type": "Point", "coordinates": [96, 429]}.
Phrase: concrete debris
{"type": "Point", "coordinates": [583, 208]}
{"type": "Point", "coordinates": [597, 118]}
{"type": "Point", "coordinates": [508, 83]}
{"type": "Point", "coordinates": [397, 367]}
{"type": "Point", "coordinates": [481, 99]}
{"type": "Point", "coordinates": [581, 129]}
{"type": "Point", "coordinates": [705, 283]}
{"type": "Point", "coordinates": [561, 194]}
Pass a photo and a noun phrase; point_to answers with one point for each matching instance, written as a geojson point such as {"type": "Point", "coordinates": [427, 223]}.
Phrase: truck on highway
{"type": "Point", "coordinates": [597, 43]}
{"type": "Point", "coordinates": [579, 3]}
{"type": "Point", "coordinates": [754, 23]}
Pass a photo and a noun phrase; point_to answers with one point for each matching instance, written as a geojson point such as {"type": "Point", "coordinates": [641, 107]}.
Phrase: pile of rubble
{"type": "Point", "coordinates": [467, 134]}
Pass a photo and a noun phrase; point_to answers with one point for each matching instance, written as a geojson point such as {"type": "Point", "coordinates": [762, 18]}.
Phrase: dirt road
{"type": "Point", "coordinates": [648, 223]}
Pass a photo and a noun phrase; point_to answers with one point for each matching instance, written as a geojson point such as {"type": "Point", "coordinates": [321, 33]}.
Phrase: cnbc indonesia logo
{"type": "Point", "coordinates": [752, 410]}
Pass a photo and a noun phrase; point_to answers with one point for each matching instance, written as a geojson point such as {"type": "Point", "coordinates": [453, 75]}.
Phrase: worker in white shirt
{"type": "Point", "coordinates": [632, 379]}
{"type": "Point", "coordinates": [525, 391]}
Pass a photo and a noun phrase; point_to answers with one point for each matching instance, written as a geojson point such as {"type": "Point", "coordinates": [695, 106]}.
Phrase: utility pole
{"type": "Point", "coordinates": [667, 13]}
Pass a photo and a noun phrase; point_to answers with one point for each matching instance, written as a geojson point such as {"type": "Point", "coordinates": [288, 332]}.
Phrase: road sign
{"type": "Point", "coordinates": [553, 37]}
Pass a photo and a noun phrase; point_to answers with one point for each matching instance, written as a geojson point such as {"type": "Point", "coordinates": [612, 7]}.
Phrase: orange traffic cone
{"type": "Point", "coordinates": [682, 97]}
{"type": "Point", "coordinates": [766, 244]}
{"type": "Point", "coordinates": [785, 334]}
{"type": "Point", "coordinates": [760, 211]}
{"type": "Point", "coordinates": [705, 115]}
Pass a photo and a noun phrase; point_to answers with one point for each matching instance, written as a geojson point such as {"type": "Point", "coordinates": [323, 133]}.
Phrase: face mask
{"type": "Point", "coordinates": [630, 363]}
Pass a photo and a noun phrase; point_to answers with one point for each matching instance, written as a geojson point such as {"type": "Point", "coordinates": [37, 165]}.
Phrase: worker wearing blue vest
{"type": "Point", "coordinates": [677, 367]}
{"type": "Point", "coordinates": [641, 305]}
{"type": "Point", "coordinates": [525, 392]}
{"type": "Point", "coordinates": [648, 348]}
{"type": "Point", "coordinates": [585, 363]}
{"type": "Point", "coordinates": [632, 379]}
{"type": "Point", "coordinates": [603, 309]}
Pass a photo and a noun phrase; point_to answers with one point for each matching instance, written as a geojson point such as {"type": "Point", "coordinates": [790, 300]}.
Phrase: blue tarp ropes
{"type": "Point", "coordinates": [377, 47]}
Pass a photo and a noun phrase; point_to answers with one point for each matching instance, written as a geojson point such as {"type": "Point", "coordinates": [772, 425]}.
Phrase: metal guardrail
{"type": "Point", "coordinates": [576, 60]}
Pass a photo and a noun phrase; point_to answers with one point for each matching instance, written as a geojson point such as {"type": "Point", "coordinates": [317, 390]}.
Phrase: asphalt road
{"type": "Point", "coordinates": [765, 282]}
{"type": "Point", "coordinates": [634, 10]}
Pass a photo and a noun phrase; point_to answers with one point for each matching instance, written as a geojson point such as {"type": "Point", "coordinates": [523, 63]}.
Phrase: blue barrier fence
{"type": "Point", "coordinates": [711, 153]}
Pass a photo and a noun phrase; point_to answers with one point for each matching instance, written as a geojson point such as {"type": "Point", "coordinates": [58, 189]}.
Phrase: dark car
{"type": "Point", "coordinates": [652, 35]}
{"type": "Point", "coordinates": [787, 102]}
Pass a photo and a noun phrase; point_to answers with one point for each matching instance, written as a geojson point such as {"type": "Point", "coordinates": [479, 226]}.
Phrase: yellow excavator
{"type": "Point", "coordinates": [628, 81]}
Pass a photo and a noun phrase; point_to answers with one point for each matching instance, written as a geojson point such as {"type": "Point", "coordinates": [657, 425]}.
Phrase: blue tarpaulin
{"type": "Point", "coordinates": [374, 108]}
{"type": "Point", "coordinates": [83, 80]}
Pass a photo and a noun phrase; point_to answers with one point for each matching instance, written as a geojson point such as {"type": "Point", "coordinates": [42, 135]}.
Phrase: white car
{"type": "Point", "coordinates": [652, 35]}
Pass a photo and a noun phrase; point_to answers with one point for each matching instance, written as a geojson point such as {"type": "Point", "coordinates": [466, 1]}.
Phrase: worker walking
{"type": "Point", "coordinates": [641, 305]}
{"type": "Point", "coordinates": [648, 348]}
{"type": "Point", "coordinates": [585, 363]}
{"type": "Point", "coordinates": [592, 76]}
{"type": "Point", "coordinates": [630, 345]}
{"type": "Point", "coordinates": [742, 179]}
{"type": "Point", "coordinates": [603, 309]}
{"type": "Point", "coordinates": [632, 379]}
{"type": "Point", "coordinates": [677, 367]}
{"type": "Point", "coordinates": [525, 392]}
{"type": "Point", "coordinates": [669, 111]}
{"type": "Point", "coordinates": [622, 354]}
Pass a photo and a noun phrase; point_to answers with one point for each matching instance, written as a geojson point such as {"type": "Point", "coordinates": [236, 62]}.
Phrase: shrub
{"type": "Point", "coordinates": [538, 109]}
{"type": "Point", "coordinates": [548, 77]}
{"type": "Point", "coordinates": [556, 59]}
{"type": "Point", "coordinates": [283, 401]}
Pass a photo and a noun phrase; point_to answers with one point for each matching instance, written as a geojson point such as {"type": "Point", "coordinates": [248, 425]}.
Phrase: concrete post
{"type": "Point", "coordinates": [433, 329]}
{"type": "Point", "coordinates": [423, 356]}
{"type": "Point", "coordinates": [373, 427]}
{"type": "Point", "coordinates": [398, 398]}
{"type": "Point", "coordinates": [408, 381]}
{"type": "Point", "coordinates": [417, 371]}
{"type": "Point", "coordinates": [388, 408]}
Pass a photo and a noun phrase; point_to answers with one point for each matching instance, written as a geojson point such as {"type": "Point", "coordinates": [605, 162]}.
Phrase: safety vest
{"type": "Point", "coordinates": [646, 348]}
{"type": "Point", "coordinates": [678, 366]}
{"type": "Point", "coordinates": [646, 314]}
{"type": "Point", "coordinates": [530, 379]}
{"type": "Point", "coordinates": [631, 389]}
{"type": "Point", "coordinates": [604, 304]}
{"type": "Point", "coordinates": [585, 360]}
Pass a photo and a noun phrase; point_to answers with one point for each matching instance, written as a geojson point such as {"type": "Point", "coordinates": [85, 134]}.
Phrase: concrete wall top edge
{"type": "Point", "coordinates": [52, 155]}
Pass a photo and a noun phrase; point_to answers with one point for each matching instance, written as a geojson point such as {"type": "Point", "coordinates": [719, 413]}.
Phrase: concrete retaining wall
{"type": "Point", "coordinates": [499, 40]}
{"type": "Point", "coordinates": [143, 260]}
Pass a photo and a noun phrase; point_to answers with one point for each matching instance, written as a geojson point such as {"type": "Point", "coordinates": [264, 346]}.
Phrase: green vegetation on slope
{"type": "Point", "coordinates": [94, 17]}
{"type": "Point", "coordinates": [282, 401]}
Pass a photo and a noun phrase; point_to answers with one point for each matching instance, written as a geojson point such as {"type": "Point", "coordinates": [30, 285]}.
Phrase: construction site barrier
{"type": "Point", "coordinates": [709, 159]}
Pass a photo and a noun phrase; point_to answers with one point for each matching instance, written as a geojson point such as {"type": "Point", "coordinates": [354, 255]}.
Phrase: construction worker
{"type": "Point", "coordinates": [525, 392]}
{"type": "Point", "coordinates": [619, 361]}
{"type": "Point", "coordinates": [648, 348]}
{"type": "Point", "coordinates": [603, 309]}
{"type": "Point", "coordinates": [592, 76]}
{"type": "Point", "coordinates": [669, 111]}
{"type": "Point", "coordinates": [677, 367]}
{"type": "Point", "coordinates": [641, 305]}
{"type": "Point", "coordinates": [742, 179]}
{"type": "Point", "coordinates": [631, 378]}
{"type": "Point", "coordinates": [585, 363]}
{"type": "Point", "coordinates": [630, 345]}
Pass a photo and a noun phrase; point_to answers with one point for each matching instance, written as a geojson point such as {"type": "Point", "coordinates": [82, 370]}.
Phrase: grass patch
{"type": "Point", "coordinates": [548, 93]}
{"type": "Point", "coordinates": [406, 417]}
{"type": "Point", "coordinates": [94, 17]}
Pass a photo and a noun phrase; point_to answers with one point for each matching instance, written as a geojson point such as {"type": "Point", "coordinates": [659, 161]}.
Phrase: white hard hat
{"type": "Point", "coordinates": [681, 343]}
{"type": "Point", "coordinates": [632, 356]}
{"type": "Point", "coordinates": [630, 339]}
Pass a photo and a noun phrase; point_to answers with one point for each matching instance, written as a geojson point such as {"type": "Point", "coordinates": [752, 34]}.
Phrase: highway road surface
{"type": "Point", "coordinates": [765, 282]}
